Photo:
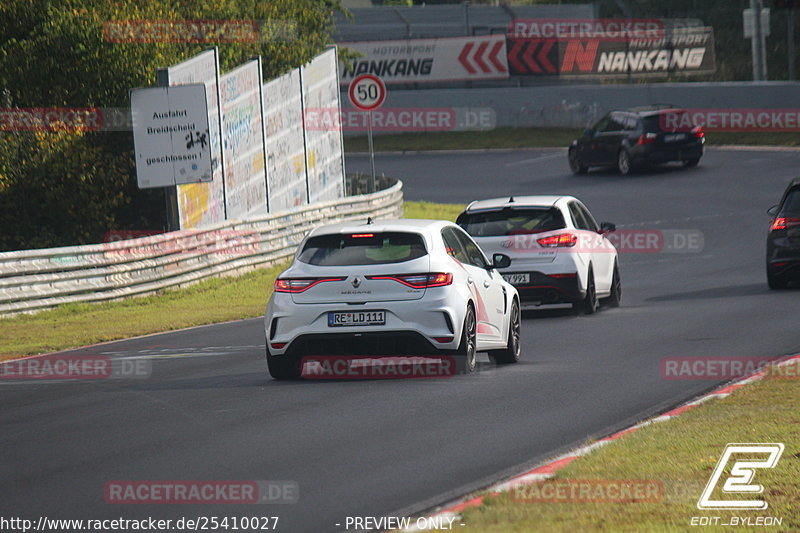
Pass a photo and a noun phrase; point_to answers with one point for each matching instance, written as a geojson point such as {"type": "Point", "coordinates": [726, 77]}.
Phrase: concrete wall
{"type": "Point", "coordinates": [580, 105]}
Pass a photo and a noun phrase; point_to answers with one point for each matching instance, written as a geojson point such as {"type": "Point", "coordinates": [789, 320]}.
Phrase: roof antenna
{"type": "Point", "coordinates": [369, 220]}
{"type": "Point", "coordinates": [511, 200]}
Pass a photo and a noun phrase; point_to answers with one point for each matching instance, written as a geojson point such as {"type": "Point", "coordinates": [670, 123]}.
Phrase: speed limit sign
{"type": "Point", "coordinates": [367, 92]}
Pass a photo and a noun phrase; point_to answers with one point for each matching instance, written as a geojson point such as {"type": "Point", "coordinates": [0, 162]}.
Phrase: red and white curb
{"type": "Point", "coordinates": [548, 470]}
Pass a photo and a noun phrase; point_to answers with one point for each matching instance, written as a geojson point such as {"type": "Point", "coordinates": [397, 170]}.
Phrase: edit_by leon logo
{"type": "Point", "coordinates": [740, 478]}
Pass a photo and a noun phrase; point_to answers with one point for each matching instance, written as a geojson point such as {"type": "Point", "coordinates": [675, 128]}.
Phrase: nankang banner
{"type": "Point", "coordinates": [679, 51]}
{"type": "Point", "coordinates": [428, 60]}
{"type": "Point", "coordinates": [644, 51]}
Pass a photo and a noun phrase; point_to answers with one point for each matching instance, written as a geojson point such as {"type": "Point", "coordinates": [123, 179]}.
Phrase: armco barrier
{"type": "Point", "coordinates": [32, 280]}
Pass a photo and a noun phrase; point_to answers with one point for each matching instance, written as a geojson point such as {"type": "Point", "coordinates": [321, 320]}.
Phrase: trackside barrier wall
{"type": "Point", "coordinates": [32, 280]}
{"type": "Point", "coordinates": [580, 105]}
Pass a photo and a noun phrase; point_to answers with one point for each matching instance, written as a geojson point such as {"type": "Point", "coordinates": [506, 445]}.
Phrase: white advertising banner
{"type": "Point", "coordinates": [170, 135]}
{"type": "Point", "coordinates": [243, 142]}
{"type": "Point", "coordinates": [419, 60]}
{"type": "Point", "coordinates": [201, 204]}
{"type": "Point", "coordinates": [283, 127]}
{"type": "Point", "coordinates": [324, 150]}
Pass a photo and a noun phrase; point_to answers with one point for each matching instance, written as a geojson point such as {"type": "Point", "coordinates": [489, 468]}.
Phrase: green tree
{"type": "Point", "coordinates": [69, 187]}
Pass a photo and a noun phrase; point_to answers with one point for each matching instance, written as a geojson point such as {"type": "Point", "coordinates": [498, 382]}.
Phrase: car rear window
{"type": "Point", "coordinates": [792, 203]}
{"type": "Point", "coordinates": [667, 121]}
{"type": "Point", "coordinates": [362, 249]}
{"type": "Point", "coordinates": [511, 221]}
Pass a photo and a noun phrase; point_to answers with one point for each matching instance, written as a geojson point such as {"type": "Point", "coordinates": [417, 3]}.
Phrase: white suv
{"type": "Point", "coordinates": [559, 254]}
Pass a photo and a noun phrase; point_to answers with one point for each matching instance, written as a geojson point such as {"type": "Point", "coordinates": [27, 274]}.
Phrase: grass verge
{"type": "Point", "coordinates": [532, 138]}
{"type": "Point", "coordinates": [208, 302]}
{"type": "Point", "coordinates": [679, 455]}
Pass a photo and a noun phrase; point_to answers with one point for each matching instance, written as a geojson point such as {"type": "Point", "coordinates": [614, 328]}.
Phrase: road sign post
{"type": "Point", "coordinates": [367, 93]}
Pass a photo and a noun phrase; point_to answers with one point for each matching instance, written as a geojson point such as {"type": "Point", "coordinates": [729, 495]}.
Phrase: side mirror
{"type": "Point", "coordinates": [588, 132]}
{"type": "Point", "coordinates": [772, 211]}
{"type": "Point", "coordinates": [500, 261]}
{"type": "Point", "coordinates": [607, 227]}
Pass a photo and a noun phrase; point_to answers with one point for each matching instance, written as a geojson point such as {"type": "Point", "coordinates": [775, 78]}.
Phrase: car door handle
{"type": "Point", "coordinates": [469, 280]}
{"type": "Point", "coordinates": [486, 284]}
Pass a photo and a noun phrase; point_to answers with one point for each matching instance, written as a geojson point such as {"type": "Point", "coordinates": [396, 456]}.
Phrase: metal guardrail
{"type": "Point", "coordinates": [32, 280]}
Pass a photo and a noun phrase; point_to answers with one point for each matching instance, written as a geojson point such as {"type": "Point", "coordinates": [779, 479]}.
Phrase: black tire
{"type": "Point", "coordinates": [512, 351]}
{"type": "Point", "coordinates": [776, 283]}
{"type": "Point", "coordinates": [589, 304]}
{"type": "Point", "coordinates": [575, 163]}
{"type": "Point", "coordinates": [691, 163]}
{"type": "Point", "coordinates": [624, 165]}
{"type": "Point", "coordinates": [616, 289]}
{"type": "Point", "coordinates": [466, 356]}
{"type": "Point", "coordinates": [283, 367]}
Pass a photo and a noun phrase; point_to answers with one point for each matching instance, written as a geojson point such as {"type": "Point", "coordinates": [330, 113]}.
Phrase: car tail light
{"type": "Point", "coordinates": [278, 345]}
{"type": "Point", "coordinates": [647, 138]}
{"type": "Point", "coordinates": [362, 235]}
{"type": "Point", "coordinates": [420, 281]}
{"type": "Point", "coordinates": [698, 132]}
{"type": "Point", "coordinates": [562, 240]}
{"type": "Point", "coordinates": [562, 276]}
{"type": "Point", "coordinates": [295, 285]}
{"type": "Point", "coordinates": [784, 222]}
{"type": "Point", "coordinates": [443, 340]}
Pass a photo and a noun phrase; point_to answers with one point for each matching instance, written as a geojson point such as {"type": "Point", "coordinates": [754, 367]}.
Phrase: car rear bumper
{"type": "Point", "coordinates": [665, 154]}
{"type": "Point", "coordinates": [788, 267]}
{"type": "Point", "coordinates": [429, 318]}
{"type": "Point", "coordinates": [543, 289]}
{"type": "Point", "coordinates": [373, 344]}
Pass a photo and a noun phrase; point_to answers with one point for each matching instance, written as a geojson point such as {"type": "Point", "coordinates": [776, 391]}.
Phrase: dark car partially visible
{"type": "Point", "coordinates": [783, 241]}
{"type": "Point", "coordinates": [638, 137]}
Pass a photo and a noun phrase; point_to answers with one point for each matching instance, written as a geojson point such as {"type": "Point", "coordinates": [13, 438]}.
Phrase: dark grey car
{"type": "Point", "coordinates": [639, 136]}
{"type": "Point", "coordinates": [783, 241]}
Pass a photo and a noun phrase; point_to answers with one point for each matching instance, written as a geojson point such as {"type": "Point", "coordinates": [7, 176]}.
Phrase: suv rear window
{"type": "Point", "coordinates": [792, 202]}
{"type": "Point", "coordinates": [511, 221]}
{"type": "Point", "coordinates": [362, 249]}
{"type": "Point", "coordinates": [667, 121]}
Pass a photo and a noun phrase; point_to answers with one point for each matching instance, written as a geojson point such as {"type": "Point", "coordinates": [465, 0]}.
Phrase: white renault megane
{"type": "Point", "coordinates": [559, 253]}
{"type": "Point", "coordinates": [394, 287]}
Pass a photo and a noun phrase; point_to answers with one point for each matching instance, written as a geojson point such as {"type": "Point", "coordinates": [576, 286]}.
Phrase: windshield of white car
{"type": "Point", "coordinates": [511, 221]}
{"type": "Point", "coordinates": [362, 249]}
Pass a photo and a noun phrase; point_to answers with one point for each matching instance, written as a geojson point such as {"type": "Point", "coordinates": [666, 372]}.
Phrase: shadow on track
{"type": "Point", "coordinates": [669, 169]}
{"type": "Point", "coordinates": [731, 291]}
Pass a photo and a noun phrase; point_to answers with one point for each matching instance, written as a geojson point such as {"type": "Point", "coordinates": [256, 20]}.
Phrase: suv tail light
{"type": "Point", "coordinates": [420, 281]}
{"type": "Point", "coordinates": [698, 132]}
{"type": "Point", "coordinates": [647, 138]}
{"type": "Point", "coordinates": [295, 285]}
{"type": "Point", "coordinates": [784, 222]}
{"type": "Point", "coordinates": [562, 240]}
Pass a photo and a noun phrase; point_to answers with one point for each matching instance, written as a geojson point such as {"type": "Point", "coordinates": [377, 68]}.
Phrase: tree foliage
{"type": "Point", "coordinates": [69, 187]}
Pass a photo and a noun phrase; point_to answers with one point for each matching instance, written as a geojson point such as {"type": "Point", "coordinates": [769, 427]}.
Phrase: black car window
{"type": "Point", "coordinates": [590, 221]}
{"type": "Point", "coordinates": [577, 216]}
{"type": "Point", "coordinates": [475, 256]}
{"type": "Point", "coordinates": [511, 221]}
{"type": "Point", "coordinates": [617, 122]}
{"type": "Point", "coordinates": [453, 246]}
{"type": "Point", "coordinates": [602, 124]}
{"type": "Point", "coordinates": [792, 202]}
{"type": "Point", "coordinates": [362, 249]}
{"type": "Point", "coordinates": [669, 121]}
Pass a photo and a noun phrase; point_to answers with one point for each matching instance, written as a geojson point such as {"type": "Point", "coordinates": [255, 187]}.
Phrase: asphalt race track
{"type": "Point", "coordinates": [209, 411]}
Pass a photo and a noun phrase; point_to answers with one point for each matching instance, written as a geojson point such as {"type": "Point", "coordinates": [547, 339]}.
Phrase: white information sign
{"type": "Point", "coordinates": [243, 142]}
{"type": "Point", "coordinates": [170, 135]}
{"type": "Point", "coordinates": [286, 156]}
{"type": "Point", "coordinates": [202, 204]}
{"type": "Point", "coordinates": [324, 153]}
